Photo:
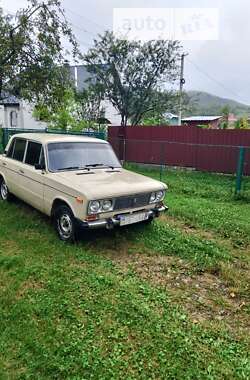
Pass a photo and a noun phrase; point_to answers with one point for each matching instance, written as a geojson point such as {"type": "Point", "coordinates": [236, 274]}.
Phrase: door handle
{"type": "Point", "coordinates": [21, 171]}
{"type": "Point", "coordinates": [4, 164]}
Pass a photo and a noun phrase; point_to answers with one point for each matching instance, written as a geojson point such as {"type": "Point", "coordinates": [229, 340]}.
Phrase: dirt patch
{"type": "Point", "coordinates": [9, 247]}
{"type": "Point", "coordinates": [189, 228]}
{"type": "Point", "coordinates": [205, 296]}
{"type": "Point", "coordinates": [28, 285]}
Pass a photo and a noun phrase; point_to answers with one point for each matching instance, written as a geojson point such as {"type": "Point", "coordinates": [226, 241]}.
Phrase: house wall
{"type": "Point", "coordinates": [1, 116]}
{"type": "Point", "coordinates": [25, 120]}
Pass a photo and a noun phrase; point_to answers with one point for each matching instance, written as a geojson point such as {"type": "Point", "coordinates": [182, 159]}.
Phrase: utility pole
{"type": "Point", "coordinates": [182, 82]}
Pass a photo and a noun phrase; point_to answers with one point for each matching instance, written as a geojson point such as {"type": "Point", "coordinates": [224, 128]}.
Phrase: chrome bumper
{"type": "Point", "coordinates": [110, 223]}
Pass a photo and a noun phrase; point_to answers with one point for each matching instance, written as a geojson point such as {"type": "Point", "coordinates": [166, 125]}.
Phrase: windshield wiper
{"type": "Point", "coordinates": [101, 165]}
{"type": "Point", "coordinates": [74, 168]}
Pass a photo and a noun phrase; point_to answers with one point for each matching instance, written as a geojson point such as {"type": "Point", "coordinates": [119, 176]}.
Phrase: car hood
{"type": "Point", "coordinates": [102, 183]}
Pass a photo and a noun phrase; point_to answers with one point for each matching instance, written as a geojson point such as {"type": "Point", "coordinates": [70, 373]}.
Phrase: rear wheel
{"type": "Point", "coordinates": [65, 224]}
{"type": "Point", "coordinates": [4, 191]}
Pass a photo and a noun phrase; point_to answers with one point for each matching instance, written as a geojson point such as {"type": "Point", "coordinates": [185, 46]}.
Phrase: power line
{"type": "Point", "coordinates": [82, 30]}
{"type": "Point", "coordinates": [102, 27]}
{"type": "Point", "coordinates": [216, 81]}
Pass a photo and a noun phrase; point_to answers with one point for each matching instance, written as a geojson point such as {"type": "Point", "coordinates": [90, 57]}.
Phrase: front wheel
{"type": "Point", "coordinates": [4, 191]}
{"type": "Point", "coordinates": [65, 224]}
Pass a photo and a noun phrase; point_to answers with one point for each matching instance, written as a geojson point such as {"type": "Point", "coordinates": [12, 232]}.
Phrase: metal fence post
{"type": "Point", "coordinates": [240, 168]}
{"type": "Point", "coordinates": [162, 160]}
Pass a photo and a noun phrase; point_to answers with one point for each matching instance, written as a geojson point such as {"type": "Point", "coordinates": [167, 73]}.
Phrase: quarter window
{"type": "Point", "coordinates": [11, 149]}
{"type": "Point", "coordinates": [33, 153]}
{"type": "Point", "coordinates": [19, 149]}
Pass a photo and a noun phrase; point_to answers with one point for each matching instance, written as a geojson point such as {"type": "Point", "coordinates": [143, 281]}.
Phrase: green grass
{"type": "Point", "coordinates": [86, 312]}
{"type": "Point", "coordinates": [207, 201]}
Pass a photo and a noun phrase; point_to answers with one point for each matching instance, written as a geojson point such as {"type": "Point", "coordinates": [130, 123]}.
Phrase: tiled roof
{"type": "Point", "coordinates": [9, 99]}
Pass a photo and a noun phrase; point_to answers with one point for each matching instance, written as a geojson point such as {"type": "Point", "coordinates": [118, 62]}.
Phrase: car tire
{"type": "Point", "coordinates": [148, 221]}
{"type": "Point", "coordinates": [4, 191]}
{"type": "Point", "coordinates": [65, 224]}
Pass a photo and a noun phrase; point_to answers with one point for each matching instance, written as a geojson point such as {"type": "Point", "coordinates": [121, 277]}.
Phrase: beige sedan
{"type": "Point", "coordinates": [78, 181]}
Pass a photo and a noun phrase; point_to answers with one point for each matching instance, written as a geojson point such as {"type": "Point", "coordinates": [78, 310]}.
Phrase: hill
{"type": "Point", "coordinates": [203, 103]}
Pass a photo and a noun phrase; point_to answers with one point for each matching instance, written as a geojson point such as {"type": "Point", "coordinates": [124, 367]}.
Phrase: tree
{"type": "Point", "coordinates": [242, 123]}
{"type": "Point", "coordinates": [225, 113]}
{"type": "Point", "coordinates": [89, 105]}
{"type": "Point", "coordinates": [130, 72]}
{"type": "Point", "coordinates": [162, 102]}
{"type": "Point", "coordinates": [32, 53]}
{"type": "Point", "coordinates": [77, 110]}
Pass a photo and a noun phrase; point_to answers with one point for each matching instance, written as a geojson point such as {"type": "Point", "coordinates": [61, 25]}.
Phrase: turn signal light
{"type": "Point", "coordinates": [90, 218]}
{"type": "Point", "coordinates": [79, 200]}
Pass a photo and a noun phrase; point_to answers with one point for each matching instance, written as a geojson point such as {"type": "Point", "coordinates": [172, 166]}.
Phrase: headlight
{"type": "Point", "coordinates": [98, 206]}
{"type": "Point", "coordinates": [107, 205]}
{"type": "Point", "coordinates": [157, 196]}
{"type": "Point", "coordinates": [94, 207]}
{"type": "Point", "coordinates": [152, 198]}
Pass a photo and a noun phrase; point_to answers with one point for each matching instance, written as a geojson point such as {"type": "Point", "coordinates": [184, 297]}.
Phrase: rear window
{"type": "Point", "coordinates": [33, 153]}
{"type": "Point", "coordinates": [19, 149]}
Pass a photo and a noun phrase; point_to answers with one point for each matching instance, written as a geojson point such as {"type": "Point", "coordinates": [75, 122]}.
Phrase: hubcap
{"type": "Point", "coordinates": [4, 191]}
{"type": "Point", "coordinates": [65, 226]}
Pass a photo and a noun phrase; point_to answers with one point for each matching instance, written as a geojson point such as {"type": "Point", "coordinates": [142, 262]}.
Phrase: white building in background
{"type": "Point", "coordinates": [15, 113]}
{"type": "Point", "coordinates": [81, 77]}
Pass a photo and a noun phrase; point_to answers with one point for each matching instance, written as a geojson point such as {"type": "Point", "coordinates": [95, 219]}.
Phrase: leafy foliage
{"type": "Point", "coordinates": [130, 72]}
{"type": "Point", "coordinates": [32, 53]}
{"type": "Point", "coordinates": [242, 123]}
{"type": "Point", "coordinates": [90, 106]}
{"type": "Point", "coordinates": [76, 111]}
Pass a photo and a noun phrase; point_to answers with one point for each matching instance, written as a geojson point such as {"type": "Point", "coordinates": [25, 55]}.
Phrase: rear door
{"type": "Point", "coordinates": [33, 179]}
{"type": "Point", "coordinates": [23, 180]}
{"type": "Point", "coordinates": [14, 166]}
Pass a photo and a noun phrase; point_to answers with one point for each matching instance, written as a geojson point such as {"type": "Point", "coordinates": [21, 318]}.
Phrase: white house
{"type": "Point", "coordinates": [15, 113]}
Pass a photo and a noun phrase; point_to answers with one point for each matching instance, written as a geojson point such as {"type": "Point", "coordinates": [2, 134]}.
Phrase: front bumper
{"type": "Point", "coordinates": [110, 223]}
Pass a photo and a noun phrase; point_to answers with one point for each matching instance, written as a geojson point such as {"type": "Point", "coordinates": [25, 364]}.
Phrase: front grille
{"type": "Point", "coordinates": [132, 201]}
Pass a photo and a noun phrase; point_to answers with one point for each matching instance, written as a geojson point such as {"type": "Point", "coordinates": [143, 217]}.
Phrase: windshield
{"type": "Point", "coordinates": [80, 155]}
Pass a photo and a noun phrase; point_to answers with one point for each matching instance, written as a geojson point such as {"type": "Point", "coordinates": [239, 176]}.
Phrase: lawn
{"type": "Point", "coordinates": [166, 301]}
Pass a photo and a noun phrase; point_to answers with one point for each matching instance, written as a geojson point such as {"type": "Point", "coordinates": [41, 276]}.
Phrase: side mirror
{"type": "Point", "coordinates": [39, 167]}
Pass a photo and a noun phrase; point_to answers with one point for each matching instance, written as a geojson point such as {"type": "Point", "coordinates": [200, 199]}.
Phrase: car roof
{"type": "Point", "coordinates": [45, 138]}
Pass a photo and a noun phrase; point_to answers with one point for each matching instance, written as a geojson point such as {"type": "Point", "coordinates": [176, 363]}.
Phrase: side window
{"type": "Point", "coordinates": [33, 153]}
{"type": "Point", "coordinates": [11, 148]}
{"type": "Point", "coordinates": [19, 149]}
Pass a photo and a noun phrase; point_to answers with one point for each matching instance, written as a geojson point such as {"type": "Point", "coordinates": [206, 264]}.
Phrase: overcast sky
{"type": "Point", "coordinates": [221, 67]}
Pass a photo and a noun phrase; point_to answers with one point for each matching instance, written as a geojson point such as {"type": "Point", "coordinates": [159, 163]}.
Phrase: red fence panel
{"type": "Point", "coordinates": [203, 149]}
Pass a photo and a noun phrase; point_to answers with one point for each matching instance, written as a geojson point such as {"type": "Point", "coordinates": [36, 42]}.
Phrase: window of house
{"type": "Point", "coordinates": [19, 149]}
{"type": "Point", "coordinates": [33, 154]}
{"type": "Point", "coordinates": [13, 119]}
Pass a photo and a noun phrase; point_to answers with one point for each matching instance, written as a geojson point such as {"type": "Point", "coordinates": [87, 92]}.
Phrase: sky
{"type": "Point", "coordinates": [220, 66]}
